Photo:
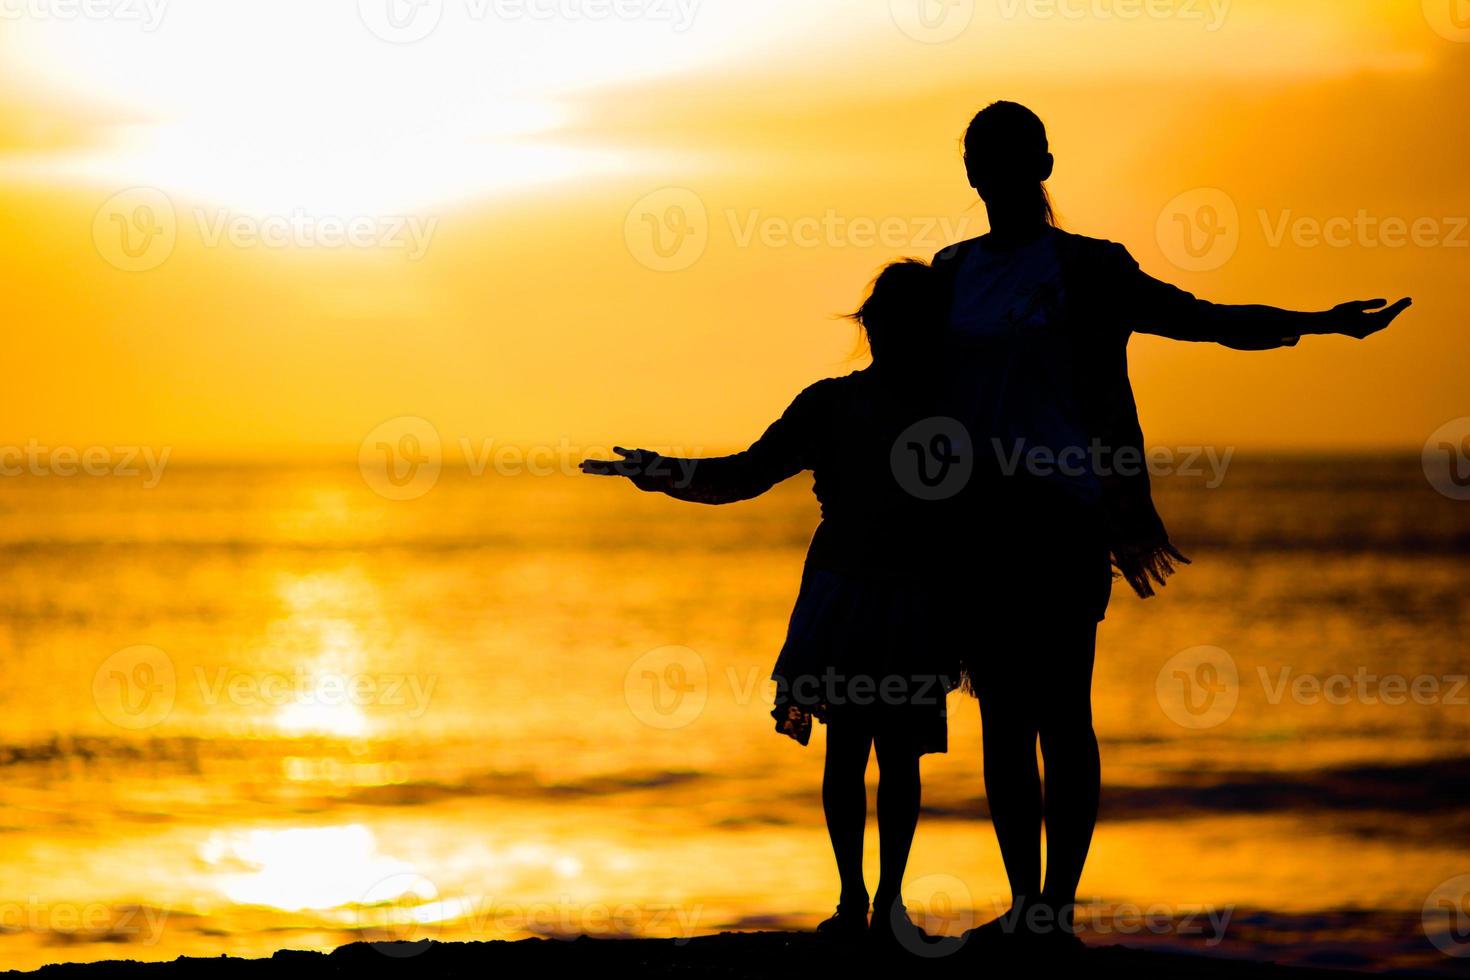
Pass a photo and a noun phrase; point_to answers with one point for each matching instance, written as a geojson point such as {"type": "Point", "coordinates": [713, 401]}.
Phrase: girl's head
{"type": "Point", "coordinates": [901, 315]}
{"type": "Point", "coordinates": [1007, 160]}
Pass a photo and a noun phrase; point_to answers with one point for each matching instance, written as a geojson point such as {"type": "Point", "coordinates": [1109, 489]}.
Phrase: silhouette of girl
{"type": "Point", "coordinates": [1038, 333]}
{"type": "Point", "coordinates": [864, 653]}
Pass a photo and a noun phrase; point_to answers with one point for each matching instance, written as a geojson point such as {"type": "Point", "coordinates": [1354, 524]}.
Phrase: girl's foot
{"type": "Point", "coordinates": [847, 924]}
{"type": "Point", "coordinates": [892, 930]}
{"type": "Point", "coordinates": [1057, 942]}
{"type": "Point", "coordinates": [1056, 931]}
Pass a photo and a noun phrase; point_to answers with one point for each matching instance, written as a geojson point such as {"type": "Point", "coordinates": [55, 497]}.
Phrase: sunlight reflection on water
{"type": "Point", "coordinates": [301, 868]}
{"type": "Point", "coordinates": [389, 716]}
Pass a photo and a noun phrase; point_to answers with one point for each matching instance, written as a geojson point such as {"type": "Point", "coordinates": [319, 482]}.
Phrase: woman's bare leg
{"type": "Point", "coordinates": [1073, 768]}
{"type": "Point", "coordinates": [1013, 787]}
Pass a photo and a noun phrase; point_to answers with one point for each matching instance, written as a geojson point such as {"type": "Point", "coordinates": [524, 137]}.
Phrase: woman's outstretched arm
{"type": "Point", "coordinates": [778, 455]}
{"type": "Point", "coordinates": [1148, 305]}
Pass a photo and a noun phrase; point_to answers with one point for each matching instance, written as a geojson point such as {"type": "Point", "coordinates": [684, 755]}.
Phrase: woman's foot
{"type": "Point", "coordinates": [1005, 928]}
{"type": "Point", "coordinates": [1036, 925]}
{"type": "Point", "coordinates": [848, 924]}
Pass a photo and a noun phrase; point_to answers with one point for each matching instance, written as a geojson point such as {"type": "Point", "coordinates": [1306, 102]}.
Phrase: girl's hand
{"type": "Point", "coordinates": [633, 465]}
{"type": "Point", "coordinates": [1363, 318]}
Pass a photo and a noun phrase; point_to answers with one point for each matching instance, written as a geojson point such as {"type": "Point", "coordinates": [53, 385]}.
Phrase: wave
{"type": "Point", "coordinates": [519, 785]}
{"type": "Point", "coordinates": [1433, 789]}
{"type": "Point", "coordinates": [1430, 788]}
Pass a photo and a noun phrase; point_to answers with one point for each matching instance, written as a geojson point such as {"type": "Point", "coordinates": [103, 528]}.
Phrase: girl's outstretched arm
{"type": "Point", "coordinates": [778, 455]}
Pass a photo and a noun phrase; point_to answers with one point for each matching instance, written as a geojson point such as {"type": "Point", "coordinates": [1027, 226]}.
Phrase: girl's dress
{"type": "Point", "coordinates": [872, 638]}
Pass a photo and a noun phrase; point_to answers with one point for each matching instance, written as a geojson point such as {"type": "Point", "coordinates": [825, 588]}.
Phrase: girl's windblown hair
{"type": "Point", "coordinates": [901, 315]}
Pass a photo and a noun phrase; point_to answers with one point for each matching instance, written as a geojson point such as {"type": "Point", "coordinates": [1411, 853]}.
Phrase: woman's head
{"type": "Point", "coordinates": [1007, 160]}
{"type": "Point", "coordinates": [901, 315]}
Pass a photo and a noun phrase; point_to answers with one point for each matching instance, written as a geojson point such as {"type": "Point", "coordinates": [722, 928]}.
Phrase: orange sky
{"type": "Point", "coordinates": [512, 153]}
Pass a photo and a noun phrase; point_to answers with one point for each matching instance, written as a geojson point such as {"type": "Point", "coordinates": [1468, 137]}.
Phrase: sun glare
{"type": "Point", "coordinates": [322, 711]}
{"type": "Point", "coordinates": [360, 108]}
{"type": "Point", "coordinates": [278, 107]}
{"type": "Point", "coordinates": [301, 868]}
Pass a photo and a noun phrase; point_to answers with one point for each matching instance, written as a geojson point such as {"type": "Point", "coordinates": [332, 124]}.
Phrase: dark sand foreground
{"type": "Point", "coordinates": [768, 954]}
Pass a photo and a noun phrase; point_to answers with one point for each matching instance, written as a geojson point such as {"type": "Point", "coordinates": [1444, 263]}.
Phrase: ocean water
{"type": "Point", "coordinates": [256, 708]}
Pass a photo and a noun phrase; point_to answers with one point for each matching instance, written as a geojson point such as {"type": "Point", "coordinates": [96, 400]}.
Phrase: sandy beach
{"type": "Point", "coordinates": [725, 955]}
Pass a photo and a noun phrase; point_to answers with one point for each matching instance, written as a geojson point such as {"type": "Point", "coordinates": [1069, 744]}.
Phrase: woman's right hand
{"type": "Point", "coordinates": [1363, 318]}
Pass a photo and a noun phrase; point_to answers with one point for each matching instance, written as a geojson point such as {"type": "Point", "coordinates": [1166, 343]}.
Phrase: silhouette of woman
{"type": "Point", "coordinates": [1039, 321]}
{"type": "Point", "coordinates": [865, 652]}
